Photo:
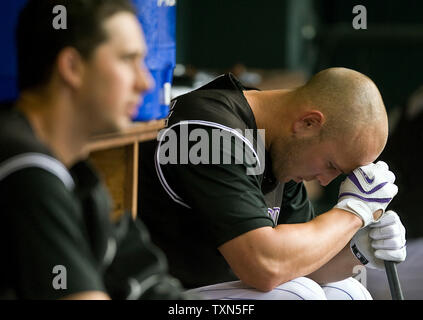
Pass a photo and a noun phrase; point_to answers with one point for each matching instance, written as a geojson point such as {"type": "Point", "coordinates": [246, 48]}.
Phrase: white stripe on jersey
{"type": "Point", "coordinates": [159, 171]}
{"type": "Point", "coordinates": [39, 160]}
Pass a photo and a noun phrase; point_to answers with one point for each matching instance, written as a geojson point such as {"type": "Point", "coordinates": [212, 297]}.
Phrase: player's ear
{"type": "Point", "coordinates": [308, 124]}
{"type": "Point", "coordinates": [70, 66]}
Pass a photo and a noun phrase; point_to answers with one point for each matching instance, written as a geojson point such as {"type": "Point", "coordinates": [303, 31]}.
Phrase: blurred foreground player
{"type": "Point", "coordinates": [57, 240]}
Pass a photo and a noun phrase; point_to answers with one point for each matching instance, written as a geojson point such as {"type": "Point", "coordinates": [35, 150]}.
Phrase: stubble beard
{"type": "Point", "coordinates": [286, 155]}
{"type": "Point", "coordinates": [282, 154]}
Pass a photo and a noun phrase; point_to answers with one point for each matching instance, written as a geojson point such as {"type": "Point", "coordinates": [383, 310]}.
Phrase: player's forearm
{"type": "Point", "coordinates": [267, 257]}
{"type": "Point", "coordinates": [309, 246]}
{"type": "Point", "coordinates": [337, 269]}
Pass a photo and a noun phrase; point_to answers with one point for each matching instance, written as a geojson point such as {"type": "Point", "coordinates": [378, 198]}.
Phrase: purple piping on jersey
{"type": "Point", "coordinates": [289, 291]}
{"type": "Point", "coordinates": [354, 179]}
{"type": "Point", "coordinates": [339, 290]}
{"type": "Point", "coordinates": [380, 200]}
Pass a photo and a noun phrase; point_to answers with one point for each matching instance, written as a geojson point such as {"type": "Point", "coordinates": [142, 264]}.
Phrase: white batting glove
{"type": "Point", "coordinates": [383, 240]}
{"type": "Point", "coordinates": [366, 190]}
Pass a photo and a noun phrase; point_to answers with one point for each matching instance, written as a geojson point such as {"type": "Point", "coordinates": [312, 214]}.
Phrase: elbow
{"type": "Point", "coordinates": [258, 262]}
{"type": "Point", "coordinates": [264, 278]}
{"type": "Point", "coordinates": [266, 285]}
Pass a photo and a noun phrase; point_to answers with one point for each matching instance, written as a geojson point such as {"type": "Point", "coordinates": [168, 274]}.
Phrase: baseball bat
{"type": "Point", "coordinates": [393, 280]}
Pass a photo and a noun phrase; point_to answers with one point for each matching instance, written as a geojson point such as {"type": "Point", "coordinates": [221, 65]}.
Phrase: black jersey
{"type": "Point", "coordinates": [57, 238]}
{"type": "Point", "coordinates": [193, 207]}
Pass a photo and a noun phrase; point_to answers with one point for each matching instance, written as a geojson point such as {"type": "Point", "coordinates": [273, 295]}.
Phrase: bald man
{"type": "Point", "coordinates": [227, 179]}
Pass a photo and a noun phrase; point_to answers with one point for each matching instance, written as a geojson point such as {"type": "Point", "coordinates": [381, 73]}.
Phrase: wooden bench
{"type": "Point", "coordinates": [115, 156]}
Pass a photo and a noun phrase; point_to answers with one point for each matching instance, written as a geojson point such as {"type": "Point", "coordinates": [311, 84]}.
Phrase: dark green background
{"type": "Point", "coordinates": [216, 34]}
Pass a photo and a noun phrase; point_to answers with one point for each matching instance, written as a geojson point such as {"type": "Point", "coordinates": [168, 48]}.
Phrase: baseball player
{"type": "Point", "coordinates": [222, 215]}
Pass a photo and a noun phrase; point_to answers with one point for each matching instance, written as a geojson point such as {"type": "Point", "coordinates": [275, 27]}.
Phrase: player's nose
{"type": "Point", "coordinates": [143, 80]}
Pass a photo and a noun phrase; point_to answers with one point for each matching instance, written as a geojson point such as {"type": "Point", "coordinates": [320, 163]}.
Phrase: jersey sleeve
{"type": "Point", "coordinates": [296, 206]}
{"type": "Point", "coordinates": [229, 200]}
{"type": "Point", "coordinates": [49, 247]}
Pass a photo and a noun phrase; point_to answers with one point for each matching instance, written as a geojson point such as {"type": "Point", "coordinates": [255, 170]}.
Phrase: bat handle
{"type": "Point", "coordinates": [393, 280]}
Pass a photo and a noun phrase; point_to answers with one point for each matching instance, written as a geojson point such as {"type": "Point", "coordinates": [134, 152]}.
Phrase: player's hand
{"type": "Point", "coordinates": [367, 190]}
{"type": "Point", "coordinates": [383, 240]}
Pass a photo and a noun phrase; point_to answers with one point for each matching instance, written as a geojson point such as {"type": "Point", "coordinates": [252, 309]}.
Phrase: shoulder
{"type": "Point", "coordinates": [17, 136]}
{"type": "Point", "coordinates": [220, 102]}
{"type": "Point", "coordinates": [20, 149]}
{"type": "Point", "coordinates": [206, 105]}
{"type": "Point", "coordinates": [29, 174]}
{"type": "Point", "coordinates": [34, 192]}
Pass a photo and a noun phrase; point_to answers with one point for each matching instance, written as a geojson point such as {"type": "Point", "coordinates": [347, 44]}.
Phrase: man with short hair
{"type": "Point", "coordinates": [57, 239]}
{"type": "Point", "coordinates": [250, 218]}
